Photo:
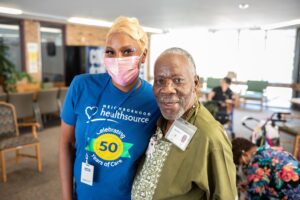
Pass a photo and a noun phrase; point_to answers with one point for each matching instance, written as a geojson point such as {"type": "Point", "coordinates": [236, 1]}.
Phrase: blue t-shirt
{"type": "Point", "coordinates": [114, 128]}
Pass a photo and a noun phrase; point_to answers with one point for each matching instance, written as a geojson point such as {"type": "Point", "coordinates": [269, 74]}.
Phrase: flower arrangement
{"type": "Point", "coordinates": [273, 174]}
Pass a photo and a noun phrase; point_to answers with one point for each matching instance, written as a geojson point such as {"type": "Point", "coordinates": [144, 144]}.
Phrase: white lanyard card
{"type": "Point", "coordinates": [180, 133]}
{"type": "Point", "coordinates": [87, 173]}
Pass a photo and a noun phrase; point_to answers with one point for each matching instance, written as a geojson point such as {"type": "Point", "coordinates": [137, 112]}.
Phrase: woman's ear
{"type": "Point", "coordinates": [144, 55]}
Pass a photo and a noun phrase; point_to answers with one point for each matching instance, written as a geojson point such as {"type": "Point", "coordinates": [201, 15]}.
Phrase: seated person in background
{"type": "Point", "coordinates": [265, 173]}
{"type": "Point", "coordinates": [222, 94]}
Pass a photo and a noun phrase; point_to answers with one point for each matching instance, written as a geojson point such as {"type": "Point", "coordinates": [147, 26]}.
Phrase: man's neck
{"type": "Point", "coordinates": [184, 116]}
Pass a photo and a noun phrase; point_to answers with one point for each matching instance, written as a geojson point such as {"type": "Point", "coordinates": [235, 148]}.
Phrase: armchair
{"type": "Point", "coordinates": [11, 140]}
{"type": "Point", "coordinates": [255, 91]}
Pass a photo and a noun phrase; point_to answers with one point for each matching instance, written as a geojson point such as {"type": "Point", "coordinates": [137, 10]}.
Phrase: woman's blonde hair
{"type": "Point", "coordinates": [131, 27]}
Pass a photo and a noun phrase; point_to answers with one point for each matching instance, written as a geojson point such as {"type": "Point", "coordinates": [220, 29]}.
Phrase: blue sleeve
{"type": "Point", "coordinates": [68, 113]}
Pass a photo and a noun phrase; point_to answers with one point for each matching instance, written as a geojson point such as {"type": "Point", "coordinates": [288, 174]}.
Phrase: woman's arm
{"type": "Point", "coordinates": [66, 159]}
{"type": "Point", "coordinates": [211, 95]}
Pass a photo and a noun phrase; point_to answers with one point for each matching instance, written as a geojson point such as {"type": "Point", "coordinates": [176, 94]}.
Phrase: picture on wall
{"type": "Point", "coordinates": [94, 60]}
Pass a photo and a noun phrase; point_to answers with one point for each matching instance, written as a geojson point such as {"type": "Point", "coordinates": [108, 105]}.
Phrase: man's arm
{"type": "Point", "coordinates": [66, 159]}
{"type": "Point", "coordinates": [223, 171]}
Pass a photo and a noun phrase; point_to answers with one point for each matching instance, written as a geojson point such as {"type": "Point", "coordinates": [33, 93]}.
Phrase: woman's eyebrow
{"type": "Point", "coordinates": [129, 47]}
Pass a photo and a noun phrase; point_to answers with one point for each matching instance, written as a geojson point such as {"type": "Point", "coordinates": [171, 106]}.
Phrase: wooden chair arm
{"type": "Point", "coordinates": [25, 124]}
{"type": "Point", "coordinates": [34, 126]}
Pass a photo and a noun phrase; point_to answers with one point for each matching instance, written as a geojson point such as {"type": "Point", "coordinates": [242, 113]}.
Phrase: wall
{"type": "Point", "coordinates": [79, 35]}
{"type": "Point", "coordinates": [30, 30]}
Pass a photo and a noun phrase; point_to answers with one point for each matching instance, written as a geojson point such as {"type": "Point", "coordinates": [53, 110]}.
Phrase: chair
{"type": "Point", "coordinates": [3, 96]}
{"type": "Point", "coordinates": [61, 97]}
{"type": "Point", "coordinates": [23, 103]}
{"type": "Point", "coordinates": [11, 140]}
{"type": "Point", "coordinates": [210, 84]}
{"type": "Point", "coordinates": [47, 101]}
{"type": "Point", "coordinates": [255, 91]}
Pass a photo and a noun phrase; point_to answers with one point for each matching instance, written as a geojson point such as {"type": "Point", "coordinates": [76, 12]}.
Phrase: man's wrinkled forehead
{"type": "Point", "coordinates": [171, 63]}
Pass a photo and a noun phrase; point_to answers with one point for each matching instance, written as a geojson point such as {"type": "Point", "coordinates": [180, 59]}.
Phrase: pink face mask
{"type": "Point", "coordinates": [124, 70]}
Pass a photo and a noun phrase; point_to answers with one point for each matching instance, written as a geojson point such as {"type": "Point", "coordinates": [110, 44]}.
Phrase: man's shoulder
{"type": "Point", "coordinates": [204, 120]}
{"type": "Point", "coordinates": [207, 127]}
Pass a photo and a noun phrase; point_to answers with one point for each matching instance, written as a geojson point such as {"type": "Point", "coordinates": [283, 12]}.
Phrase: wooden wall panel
{"type": "Point", "coordinates": [79, 35]}
{"type": "Point", "coordinates": [31, 36]}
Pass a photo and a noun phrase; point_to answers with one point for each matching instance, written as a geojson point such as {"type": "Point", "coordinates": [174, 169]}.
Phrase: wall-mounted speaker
{"type": "Point", "coordinates": [51, 48]}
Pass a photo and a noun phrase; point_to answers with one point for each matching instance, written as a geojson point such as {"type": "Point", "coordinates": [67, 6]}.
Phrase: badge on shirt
{"type": "Point", "coordinates": [181, 133]}
{"type": "Point", "coordinates": [87, 173]}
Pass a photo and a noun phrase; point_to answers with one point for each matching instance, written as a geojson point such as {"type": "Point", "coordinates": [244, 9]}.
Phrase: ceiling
{"type": "Point", "coordinates": [166, 14]}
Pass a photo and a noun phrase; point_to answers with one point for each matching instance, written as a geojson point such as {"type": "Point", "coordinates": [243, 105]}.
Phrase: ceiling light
{"type": "Point", "coordinates": [11, 11]}
{"type": "Point", "coordinates": [10, 27]}
{"type": "Point", "coordinates": [50, 30]}
{"type": "Point", "coordinates": [87, 21]}
{"type": "Point", "coordinates": [96, 22]}
{"type": "Point", "coordinates": [152, 30]}
{"type": "Point", "coordinates": [281, 24]}
{"type": "Point", "coordinates": [243, 6]}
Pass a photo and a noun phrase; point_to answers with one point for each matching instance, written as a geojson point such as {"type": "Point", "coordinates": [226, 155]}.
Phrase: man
{"type": "Point", "coordinates": [202, 170]}
{"type": "Point", "coordinates": [222, 94]}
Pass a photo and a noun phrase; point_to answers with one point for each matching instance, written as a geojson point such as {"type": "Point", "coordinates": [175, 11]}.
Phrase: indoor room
{"type": "Point", "coordinates": [98, 89]}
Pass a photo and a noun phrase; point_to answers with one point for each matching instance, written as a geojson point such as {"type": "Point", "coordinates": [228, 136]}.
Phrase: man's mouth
{"type": "Point", "coordinates": [168, 104]}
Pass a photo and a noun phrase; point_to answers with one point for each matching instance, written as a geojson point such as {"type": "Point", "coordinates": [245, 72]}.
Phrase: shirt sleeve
{"type": "Point", "coordinates": [230, 93]}
{"type": "Point", "coordinates": [68, 113]}
{"type": "Point", "coordinates": [222, 173]}
{"type": "Point", "coordinates": [215, 89]}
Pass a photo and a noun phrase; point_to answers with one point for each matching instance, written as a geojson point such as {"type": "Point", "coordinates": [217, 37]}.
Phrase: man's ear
{"type": "Point", "coordinates": [197, 81]}
{"type": "Point", "coordinates": [197, 85]}
{"type": "Point", "coordinates": [144, 55]}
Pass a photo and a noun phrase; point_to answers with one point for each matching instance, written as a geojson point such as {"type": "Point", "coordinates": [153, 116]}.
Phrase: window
{"type": "Point", "coordinates": [252, 54]}
{"type": "Point", "coordinates": [52, 54]}
{"type": "Point", "coordinates": [10, 36]}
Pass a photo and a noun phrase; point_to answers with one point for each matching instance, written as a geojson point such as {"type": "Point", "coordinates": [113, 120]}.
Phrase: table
{"type": "Point", "coordinates": [293, 129]}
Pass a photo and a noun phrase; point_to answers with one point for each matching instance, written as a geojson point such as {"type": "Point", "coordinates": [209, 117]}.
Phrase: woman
{"type": "Point", "coordinates": [269, 173]}
{"type": "Point", "coordinates": [108, 120]}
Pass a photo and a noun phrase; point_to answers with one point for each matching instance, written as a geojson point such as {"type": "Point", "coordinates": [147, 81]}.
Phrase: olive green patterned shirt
{"type": "Point", "coordinates": [205, 170]}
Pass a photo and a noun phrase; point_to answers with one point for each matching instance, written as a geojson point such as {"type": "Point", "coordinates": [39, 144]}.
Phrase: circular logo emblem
{"type": "Point", "coordinates": [108, 146]}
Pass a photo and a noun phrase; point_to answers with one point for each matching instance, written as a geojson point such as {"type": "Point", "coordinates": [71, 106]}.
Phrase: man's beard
{"type": "Point", "coordinates": [180, 101]}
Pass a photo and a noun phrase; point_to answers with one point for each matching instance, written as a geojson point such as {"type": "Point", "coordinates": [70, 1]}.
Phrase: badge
{"type": "Point", "coordinates": [87, 173]}
{"type": "Point", "coordinates": [151, 147]}
{"type": "Point", "coordinates": [181, 133]}
{"type": "Point", "coordinates": [153, 141]}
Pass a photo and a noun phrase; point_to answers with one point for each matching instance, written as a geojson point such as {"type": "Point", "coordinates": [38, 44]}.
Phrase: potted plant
{"type": "Point", "coordinates": [8, 73]}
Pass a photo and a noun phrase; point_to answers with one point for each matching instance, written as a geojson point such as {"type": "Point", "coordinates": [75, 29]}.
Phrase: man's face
{"type": "Point", "coordinates": [174, 85]}
{"type": "Point", "coordinates": [224, 85]}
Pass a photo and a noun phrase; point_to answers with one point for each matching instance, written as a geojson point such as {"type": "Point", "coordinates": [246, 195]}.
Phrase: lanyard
{"type": "Point", "coordinates": [98, 103]}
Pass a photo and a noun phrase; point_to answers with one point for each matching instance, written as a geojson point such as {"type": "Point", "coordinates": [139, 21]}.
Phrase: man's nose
{"type": "Point", "coordinates": [168, 87]}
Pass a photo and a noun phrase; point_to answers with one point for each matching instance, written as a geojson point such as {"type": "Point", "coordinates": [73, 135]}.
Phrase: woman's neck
{"type": "Point", "coordinates": [129, 87]}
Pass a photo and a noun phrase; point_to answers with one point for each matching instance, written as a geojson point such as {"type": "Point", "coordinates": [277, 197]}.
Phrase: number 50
{"type": "Point", "coordinates": [112, 147]}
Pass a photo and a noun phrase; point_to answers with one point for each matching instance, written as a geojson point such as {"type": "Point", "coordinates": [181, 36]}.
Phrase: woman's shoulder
{"type": "Point", "coordinates": [147, 84]}
{"type": "Point", "coordinates": [86, 78]}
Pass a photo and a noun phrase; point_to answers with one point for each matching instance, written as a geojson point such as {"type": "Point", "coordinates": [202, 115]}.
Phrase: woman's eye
{"type": "Point", "coordinates": [109, 53]}
{"type": "Point", "coordinates": [128, 52]}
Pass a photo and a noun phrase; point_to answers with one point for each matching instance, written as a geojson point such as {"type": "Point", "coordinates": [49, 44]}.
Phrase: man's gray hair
{"type": "Point", "coordinates": [180, 51]}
